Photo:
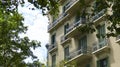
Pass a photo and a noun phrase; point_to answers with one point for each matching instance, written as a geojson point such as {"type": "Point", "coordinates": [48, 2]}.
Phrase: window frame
{"type": "Point", "coordinates": [66, 54]}
{"type": "Point", "coordinates": [53, 60]}
{"type": "Point", "coordinates": [107, 59]}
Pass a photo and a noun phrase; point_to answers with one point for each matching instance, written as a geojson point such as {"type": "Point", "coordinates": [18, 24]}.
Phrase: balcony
{"type": "Point", "coordinates": [57, 22]}
{"type": "Point", "coordinates": [98, 16]}
{"type": "Point", "coordinates": [79, 55]}
{"type": "Point", "coordinates": [74, 28]}
{"type": "Point", "coordinates": [118, 39]}
{"type": "Point", "coordinates": [103, 46]}
{"type": "Point", "coordinates": [64, 39]}
{"type": "Point", "coordinates": [52, 47]}
{"type": "Point", "coordinates": [71, 4]}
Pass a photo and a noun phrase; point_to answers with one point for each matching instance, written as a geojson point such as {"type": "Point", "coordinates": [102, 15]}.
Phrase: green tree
{"type": "Point", "coordinates": [36, 64]}
{"type": "Point", "coordinates": [14, 49]}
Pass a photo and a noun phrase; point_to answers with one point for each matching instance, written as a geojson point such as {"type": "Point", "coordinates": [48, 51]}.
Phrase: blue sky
{"type": "Point", "coordinates": [37, 29]}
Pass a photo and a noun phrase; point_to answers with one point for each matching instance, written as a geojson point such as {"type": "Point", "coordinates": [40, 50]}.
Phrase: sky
{"type": "Point", "coordinates": [37, 29]}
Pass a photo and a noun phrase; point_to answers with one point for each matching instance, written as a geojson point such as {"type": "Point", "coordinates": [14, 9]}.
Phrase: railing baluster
{"type": "Point", "coordinates": [78, 52]}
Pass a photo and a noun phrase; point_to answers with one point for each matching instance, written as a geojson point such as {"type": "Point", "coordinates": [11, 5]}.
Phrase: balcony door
{"type": "Point", "coordinates": [65, 28]}
{"type": "Point", "coordinates": [102, 62]}
{"type": "Point", "coordinates": [54, 60]}
{"type": "Point", "coordinates": [101, 34]}
{"type": "Point", "coordinates": [66, 52]}
{"type": "Point", "coordinates": [53, 39]}
{"type": "Point", "coordinates": [82, 45]}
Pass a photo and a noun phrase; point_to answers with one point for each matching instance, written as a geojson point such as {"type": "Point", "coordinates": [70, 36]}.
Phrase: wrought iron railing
{"type": "Point", "coordinates": [81, 21]}
{"type": "Point", "coordinates": [56, 21]}
{"type": "Point", "coordinates": [98, 45]}
{"type": "Point", "coordinates": [52, 46]}
{"type": "Point", "coordinates": [63, 38]}
{"type": "Point", "coordinates": [98, 15]}
{"type": "Point", "coordinates": [69, 4]}
{"type": "Point", "coordinates": [79, 52]}
{"type": "Point", "coordinates": [118, 37]}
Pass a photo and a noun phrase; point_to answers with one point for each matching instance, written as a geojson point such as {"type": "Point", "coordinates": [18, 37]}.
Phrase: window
{"type": "Point", "coordinates": [66, 52]}
{"type": "Point", "coordinates": [101, 34]}
{"type": "Point", "coordinates": [65, 28]}
{"type": "Point", "coordinates": [54, 60]}
{"type": "Point", "coordinates": [88, 65]}
{"type": "Point", "coordinates": [83, 44]}
{"type": "Point", "coordinates": [53, 39]}
{"type": "Point", "coordinates": [102, 62]}
{"type": "Point", "coordinates": [64, 7]}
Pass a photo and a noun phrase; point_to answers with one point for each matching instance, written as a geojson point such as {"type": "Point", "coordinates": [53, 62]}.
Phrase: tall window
{"type": "Point", "coordinates": [66, 52]}
{"type": "Point", "coordinates": [65, 28]}
{"type": "Point", "coordinates": [102, 62]}
{"type": "Point", "coordinates": [101, 34]}
{"type": "Point", "coordinates": [64, 7]}
{"type": "Point", "coordinates": [83, 44]}
{"type": "Point", "coordinates": [54, 60]}
{"type": "Point", "coordinates": [53, 39]}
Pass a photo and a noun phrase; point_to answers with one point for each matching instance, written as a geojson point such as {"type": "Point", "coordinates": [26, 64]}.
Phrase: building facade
{"type": "Point", "coordinates": [69, 46]}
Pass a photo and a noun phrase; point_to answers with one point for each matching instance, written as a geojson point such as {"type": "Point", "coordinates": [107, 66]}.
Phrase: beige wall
{"type": "Point", "coordinates": [113, 53]}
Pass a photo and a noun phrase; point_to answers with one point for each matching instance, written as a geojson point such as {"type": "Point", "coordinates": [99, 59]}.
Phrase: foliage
{"type": "Point", "coordinates": [51, 5]}
{"type": "Point", "coordinates": [65, 63]}
{"type": "Point", "coordinates": [113, 15]}
{"type": "Point", "coordinates": [13, 48]}
{"type": "Point", "coordinates": [35, 64]}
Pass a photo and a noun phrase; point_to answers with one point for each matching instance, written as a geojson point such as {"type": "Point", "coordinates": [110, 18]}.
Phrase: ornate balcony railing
{"type": "Point", "coordinates": [79, 52]}
{"type": "Point", "coordinates": [81, 21]}
{"type": "Point", "coordinates": [52, 46]}
{"type": "Point", "coordinates": [98, 45]}
{"type": "Point", "coordinates": [56, 21]}
{"type": "Point", "coordinates": [118, 37]}
{"type": "Point", "coordinates": [98, 15]}
{"type": "Point", "coordinates": [69, 4]}
{"type": "Point", "coordinates": [63, 38]}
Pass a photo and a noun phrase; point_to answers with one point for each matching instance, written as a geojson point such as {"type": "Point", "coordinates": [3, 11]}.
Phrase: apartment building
{"type": "Point", "coordinates": [68, 44]}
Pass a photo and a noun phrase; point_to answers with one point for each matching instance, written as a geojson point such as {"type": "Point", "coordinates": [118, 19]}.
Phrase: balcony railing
{"type": "Point", "coordinates": [69, 4]}
{"type": "Point", "coordinates": [99, 45]}
{"type": "Point", "coordinates": [98, 15]}
{"type": "Point", "coordinates": [79, 52]}
{"type": "Point", "coordinates": [56, 21]}
{"type": "Point", "coordinates": [76, 24]}
{"type": "Point", "coordinates": [52, 46]}
{"type": "Point", "coordinates": [118, 37]}
{"type": "Point", "coordinates": [63, 38]}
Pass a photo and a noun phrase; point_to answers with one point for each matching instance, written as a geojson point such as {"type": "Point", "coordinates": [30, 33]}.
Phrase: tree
{"type": "Point", "coordinates": [13, 49]}
{"type": "Point", "coordinates": [35, 64]}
